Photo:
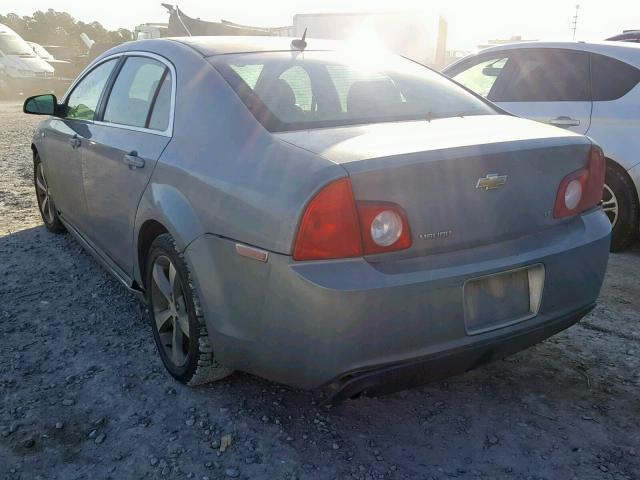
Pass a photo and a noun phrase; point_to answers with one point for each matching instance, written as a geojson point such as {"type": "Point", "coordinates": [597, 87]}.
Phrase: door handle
{"type": "Point", "coordinates": [75, 142]}
{"type": "Point", "coordinates": [133, 160]}
{"type": "Point", "coordinates": [564, 122]}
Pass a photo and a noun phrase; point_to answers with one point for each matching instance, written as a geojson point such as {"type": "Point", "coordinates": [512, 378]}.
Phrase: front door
{"type": "Point", "coordinates": [64, 141]}
{"type": "Point", "coordinates": [122, 149]}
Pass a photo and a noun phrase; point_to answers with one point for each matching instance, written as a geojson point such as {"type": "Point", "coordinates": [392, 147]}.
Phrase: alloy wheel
{"type": "Point", "coordinates": [169, 311]}
{"type": "Point", "coordinates": [610, 205]}
{"type": "Point", "coordinates": [42, 191]}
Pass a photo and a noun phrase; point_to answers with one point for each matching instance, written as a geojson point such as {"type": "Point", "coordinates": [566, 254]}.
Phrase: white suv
{"type": "Point", "coordinates": [590, 88]}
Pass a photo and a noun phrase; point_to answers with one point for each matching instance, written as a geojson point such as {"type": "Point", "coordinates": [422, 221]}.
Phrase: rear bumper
{"type": "Point", "coordinates": [308, 324]}
{"type": "Point", "coordinates": [392, 378]}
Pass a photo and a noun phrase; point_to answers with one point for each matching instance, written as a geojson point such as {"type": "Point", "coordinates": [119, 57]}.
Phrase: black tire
{"type": "Point", "coordinates": [625, 228]}
{"type": "Point", "coordinates": [200, 365]}
{"type": "Point", "coordinates": [46, 205]}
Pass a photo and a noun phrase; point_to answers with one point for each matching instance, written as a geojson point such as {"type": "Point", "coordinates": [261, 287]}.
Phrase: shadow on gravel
{"type": "Point", "coordinates": [84, 395]}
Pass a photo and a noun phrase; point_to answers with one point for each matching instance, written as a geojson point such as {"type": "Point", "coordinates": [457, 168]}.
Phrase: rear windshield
{"type": "Point", "coordinates": [305, 90]}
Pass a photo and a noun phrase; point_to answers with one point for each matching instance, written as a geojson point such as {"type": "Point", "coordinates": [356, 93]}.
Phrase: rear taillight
{"type": "Point", "coordinates": [384, 227]}
{"type": "Point", "coordinates": [581, 190]}
{"type": "Point", "coordinates": [329, 227]}
{"type": "Point", "coordinates": [335, 226]}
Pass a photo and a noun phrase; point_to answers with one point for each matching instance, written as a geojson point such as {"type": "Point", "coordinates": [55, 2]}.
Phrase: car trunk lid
{"type": "Point", "coordinates": [463, 182]}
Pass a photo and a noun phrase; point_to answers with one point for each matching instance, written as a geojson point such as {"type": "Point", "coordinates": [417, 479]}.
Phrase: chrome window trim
{"type": "Point", "coordinates": [133, 53]}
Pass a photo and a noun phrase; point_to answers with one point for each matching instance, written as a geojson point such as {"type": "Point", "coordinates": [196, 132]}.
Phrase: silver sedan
{"type": "Point", "coordinates": [319, 216]}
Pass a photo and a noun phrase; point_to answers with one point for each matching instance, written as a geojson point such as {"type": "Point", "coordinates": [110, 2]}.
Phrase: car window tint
{"type": "Point", "coordinates": [133, 92]}
{"type": "Point", "coordinates": [83, 101]}
{"type": "Point", "coordinates": [248, 73]}
{"type": "Point", "coordinates": [162, 107]}
{"type": "Point", "coordinates": [298, 79]}
{"type": "Point", "coordinates": [482, 76]}
{"type": "Point", "coordinates": [547, 76]}
{"type": "Point", "coordinates": [611, 79]}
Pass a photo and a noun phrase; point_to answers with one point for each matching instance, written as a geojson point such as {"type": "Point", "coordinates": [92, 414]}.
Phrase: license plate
{"type": "Point", "coordinates": [502, 299]}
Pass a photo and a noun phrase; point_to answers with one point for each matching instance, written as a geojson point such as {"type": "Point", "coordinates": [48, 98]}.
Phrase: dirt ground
{"type": "Point", "coordinates": [84, 395]}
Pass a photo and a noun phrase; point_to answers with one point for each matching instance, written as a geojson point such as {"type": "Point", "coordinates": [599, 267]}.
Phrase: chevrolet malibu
{"type": "Point", "coordinates": [318, 216]}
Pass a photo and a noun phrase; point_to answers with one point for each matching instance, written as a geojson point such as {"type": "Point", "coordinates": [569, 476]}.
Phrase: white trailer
{"type": "Point", "coordinates": [417, 37]}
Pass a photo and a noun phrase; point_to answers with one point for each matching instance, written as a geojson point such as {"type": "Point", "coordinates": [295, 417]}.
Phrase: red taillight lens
{"type": "Point", "coordinates": [582, 189]}
{"type": "Point", "coordinates": [334, 226]}
{"type": "Point", "coordinates": [329, 227]}
{"type": "Point", "coordinates": [384, 227]}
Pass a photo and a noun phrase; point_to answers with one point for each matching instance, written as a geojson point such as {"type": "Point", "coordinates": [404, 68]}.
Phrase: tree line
{"type": "Point", "coordinates": [60, 28]}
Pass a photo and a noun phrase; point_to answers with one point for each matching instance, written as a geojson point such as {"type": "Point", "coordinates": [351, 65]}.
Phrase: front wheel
{"type": "Point", "coordinates": [176, 318]}
{"type": "Point", "coordinates": [620, 203]}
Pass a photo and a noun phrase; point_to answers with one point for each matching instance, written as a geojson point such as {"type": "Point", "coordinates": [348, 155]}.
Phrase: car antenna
{"type": "Point", "coordinates": [300, 43]}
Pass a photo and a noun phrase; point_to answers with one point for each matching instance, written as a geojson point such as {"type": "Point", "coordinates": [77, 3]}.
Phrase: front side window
{"type": "Point", "coordinates": [134, 91]}
{"type": "Point", "coordinates": [547, 75]}
{"type": "Point", "coordinates": [482, 76]}
{"type": "Point", "coordinates": [83, 101]}
{"type": "Point", "coordinates": [323, 89]}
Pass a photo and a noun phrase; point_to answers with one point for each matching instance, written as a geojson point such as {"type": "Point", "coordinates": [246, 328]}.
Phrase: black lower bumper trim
{"type": "Point", "coordinates": [396, 377]}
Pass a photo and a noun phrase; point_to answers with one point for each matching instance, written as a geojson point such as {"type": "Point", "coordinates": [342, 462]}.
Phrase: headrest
{"type": "Point", "coordinates": [372, 96]}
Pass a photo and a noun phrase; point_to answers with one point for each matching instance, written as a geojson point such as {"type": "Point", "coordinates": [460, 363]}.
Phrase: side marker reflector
{"type": "Point", "coordinates": [252, 252]}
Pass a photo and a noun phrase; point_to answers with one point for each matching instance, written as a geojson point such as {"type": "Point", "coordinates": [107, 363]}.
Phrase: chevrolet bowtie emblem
{"type": "Point", "coordinates": [491, 181]}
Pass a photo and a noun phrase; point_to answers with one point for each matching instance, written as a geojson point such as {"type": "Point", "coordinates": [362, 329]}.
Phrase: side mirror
{"type": "Point", "coordinates": [41, 105]}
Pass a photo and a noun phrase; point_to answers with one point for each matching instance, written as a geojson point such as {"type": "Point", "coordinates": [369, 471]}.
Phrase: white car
{"type": "Point", "coordinates": [590, 88]}
{"type": "Point", "coordinates": [21, 70]}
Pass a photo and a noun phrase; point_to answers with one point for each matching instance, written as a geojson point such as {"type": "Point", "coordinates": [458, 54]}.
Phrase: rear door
{"type": "Point", "coordinates": [548, 85]}
{"type": "Point", "coordinates": [134, 126]}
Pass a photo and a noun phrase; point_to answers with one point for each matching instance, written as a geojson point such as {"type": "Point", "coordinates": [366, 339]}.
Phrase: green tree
{"type": "Point", "coordinates": [60, 28]}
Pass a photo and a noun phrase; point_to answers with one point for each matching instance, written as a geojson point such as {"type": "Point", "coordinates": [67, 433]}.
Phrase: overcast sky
{"type": "Point", "coordinates": [470, 22]}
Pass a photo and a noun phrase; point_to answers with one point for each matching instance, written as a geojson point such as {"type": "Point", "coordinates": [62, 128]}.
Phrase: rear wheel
{"type": "Point", "coordinates": [176, 317]}
{"type": "Point", "coordinates": [45, 202]}
{"type": "Point", "coordinates": [620, 203]}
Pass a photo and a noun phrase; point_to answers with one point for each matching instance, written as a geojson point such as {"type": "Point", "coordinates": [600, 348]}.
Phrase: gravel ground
{"type": "Point", "coordinates": [84, 394]}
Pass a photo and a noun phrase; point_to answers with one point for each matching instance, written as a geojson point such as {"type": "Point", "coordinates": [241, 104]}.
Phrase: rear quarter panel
{"type": "Point", "coordinates": [615, 126]}
{"type": "Point", "coordinates": [223, 173]}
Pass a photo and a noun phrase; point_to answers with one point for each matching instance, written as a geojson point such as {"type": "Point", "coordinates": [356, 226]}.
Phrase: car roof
{"type": "Point", "coordinates": [624, 51]}
{"type": "Point", "coordinates": [223, 45]}
{"type": "Point", "coordinates": [6, 30]}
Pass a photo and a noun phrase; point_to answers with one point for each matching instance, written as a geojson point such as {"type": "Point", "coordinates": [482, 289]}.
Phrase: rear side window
{"type": "Point", "coordinates": [162, 107]}
{"type": "Point", "coordinates": [134, 91]}
{"type": "Point", "coordinates": [547, 75]}
{"type": "Point", "coordinates": [611, 79]}
{"type": "Point", "coordinates": [83, 101]}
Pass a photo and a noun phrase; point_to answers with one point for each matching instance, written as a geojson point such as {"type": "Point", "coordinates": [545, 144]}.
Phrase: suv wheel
{"type": "Point", "coordinates": [620, 203]}
{"type": "Point", "coordinates": [176, 317]}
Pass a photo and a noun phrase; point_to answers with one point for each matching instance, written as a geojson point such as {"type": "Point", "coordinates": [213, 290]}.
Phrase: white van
{"type": "Point", "coordinates": [21, 70]}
